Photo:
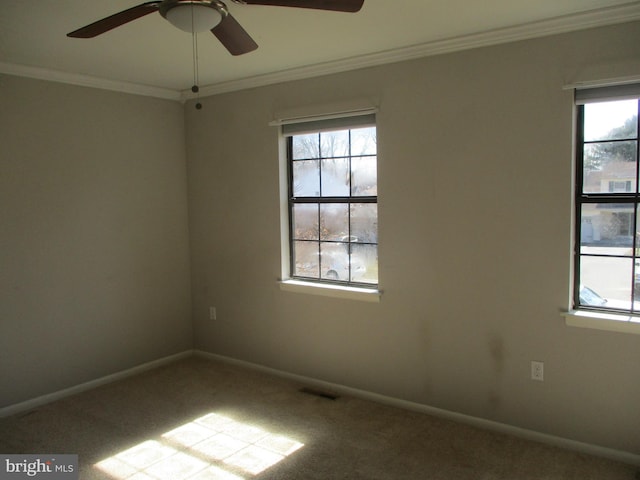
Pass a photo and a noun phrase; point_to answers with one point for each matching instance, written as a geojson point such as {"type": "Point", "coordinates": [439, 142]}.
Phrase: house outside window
{"type": "Point", "coordinates": [333, 201]}
{"type": "Point", "coordinates": [607, 217]}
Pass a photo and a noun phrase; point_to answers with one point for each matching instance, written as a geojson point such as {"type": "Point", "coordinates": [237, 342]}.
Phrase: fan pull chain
{"type": "Point", "coordinates": [196, 74]}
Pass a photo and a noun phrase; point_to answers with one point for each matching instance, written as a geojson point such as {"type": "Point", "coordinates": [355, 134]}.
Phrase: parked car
{"type": "Point", "coordinates": [589, 298]}
{"type": "Point", "coordinates": [335, 264]}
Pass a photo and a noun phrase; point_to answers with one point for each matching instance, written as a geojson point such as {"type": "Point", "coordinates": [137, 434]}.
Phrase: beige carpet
{"type": "Point", "coordinates": [201, 420]}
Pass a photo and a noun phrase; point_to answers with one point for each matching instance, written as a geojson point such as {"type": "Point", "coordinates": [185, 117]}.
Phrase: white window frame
{"type": "Point", "coordinates": [580, 316]}
{"type": "Point", "coordinates": [286, 281]}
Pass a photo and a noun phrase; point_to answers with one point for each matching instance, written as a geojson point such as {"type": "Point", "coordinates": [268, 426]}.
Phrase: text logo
{"type": "Point", "coordinates": [44, 467]}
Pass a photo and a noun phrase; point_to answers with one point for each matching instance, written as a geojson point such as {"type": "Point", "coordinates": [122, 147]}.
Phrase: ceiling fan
{"type": "Point", "coordinates": [213, 15]}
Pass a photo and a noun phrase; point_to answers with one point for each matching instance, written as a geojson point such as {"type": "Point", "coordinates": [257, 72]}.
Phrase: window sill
{"type": "Point", "coordinates": [611, 322]}
{"type": "Point", "coordinates": [336, 291]}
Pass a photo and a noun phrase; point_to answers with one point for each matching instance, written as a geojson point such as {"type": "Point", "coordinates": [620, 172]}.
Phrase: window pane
{"type": "Point", "coordinates": [364, 176]}
{"type": "Point", "coordinates": [607, 229]}
{"type": "Point", "coordinates": [334, 144]}
{"type": "Point", "coordinates": [364, 263]}
{"type": "Point", "coordinates": [610, 167]}
{"type": "Point", "coordinates": [305, 221]}
{"type": "Point", "coordinates": [334, 261]}
{"type": "Point", "coordinates": [306, 259]}
{"type": "Point", "coordinates": [335, 177]}
{"type": "Point", "coordinates": [363, 141]}
{"type": "Point", "coordinates": [305, 146]}
{"type": "Point", "coordinates": [618, 153]}
{"type": "Point", "coordinates": [334, 221]}
{"type": "Point", "coordinates": [306, 178]}
{"type": "Point", "coordinates": [610, 120]}
{"type": "Point", "coordinates": [364, 222]}
{"type": "Point", "coordinates": [609, 278]}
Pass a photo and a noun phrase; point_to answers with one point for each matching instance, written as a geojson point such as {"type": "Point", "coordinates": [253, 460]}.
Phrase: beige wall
{"type": "Point", "coordinates": [475, 170]}
{"type": "Point", "coordinates": [94, 261]}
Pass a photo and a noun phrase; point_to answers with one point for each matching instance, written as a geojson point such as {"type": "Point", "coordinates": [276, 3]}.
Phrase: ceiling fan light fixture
{"type": "Point", "coordinates": [193, 17]}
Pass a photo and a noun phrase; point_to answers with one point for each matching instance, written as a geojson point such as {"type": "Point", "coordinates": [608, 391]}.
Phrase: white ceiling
{"type": "Point", "coordinates": [293, 43]}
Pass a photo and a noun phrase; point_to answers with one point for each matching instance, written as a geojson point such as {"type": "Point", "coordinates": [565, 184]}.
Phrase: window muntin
{"type": "Point", "coordinates": [607, 251]}
{"type": "Point", "coordinates": [333, 213]}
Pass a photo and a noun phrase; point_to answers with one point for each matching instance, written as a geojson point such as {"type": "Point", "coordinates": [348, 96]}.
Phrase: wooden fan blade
{"type": "Point", "coordinates": [350, 6]}
{"type": "Point", "coordinates": [233, 36]}
{"type": "Point", "coordinates": [115, 20]}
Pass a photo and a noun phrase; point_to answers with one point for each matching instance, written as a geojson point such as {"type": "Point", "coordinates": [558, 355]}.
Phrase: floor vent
{"type": "Point", "coordinates": [319, 393]}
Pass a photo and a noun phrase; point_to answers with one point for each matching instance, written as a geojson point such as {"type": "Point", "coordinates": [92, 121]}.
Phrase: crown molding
{"type": "Point", "coordinates": [628, 12]}
{"type": "Point", "coordinates": [87, 81]}
{"type": "Point", "coordinates": [595, 18]}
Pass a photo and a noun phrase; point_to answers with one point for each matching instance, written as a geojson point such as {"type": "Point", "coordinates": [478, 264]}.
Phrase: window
{"type": "Point", "coordinates": [333, 201]}
{"type": "Point", "coordinates": [620, 186]}
{"type": "Point", "coordinates": [607, 200]}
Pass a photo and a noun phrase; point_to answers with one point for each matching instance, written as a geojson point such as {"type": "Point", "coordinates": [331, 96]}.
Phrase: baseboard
{"type": "Point", "coordinates": [612, 454]}
{"type": "Point", "coordinates": [50, 397]}
{"type": "Point", "coordinates": [581, 447]}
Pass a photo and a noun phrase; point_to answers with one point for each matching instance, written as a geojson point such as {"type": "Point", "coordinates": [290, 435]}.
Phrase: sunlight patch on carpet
{"type": "Point", "coordinates": [212, 447]}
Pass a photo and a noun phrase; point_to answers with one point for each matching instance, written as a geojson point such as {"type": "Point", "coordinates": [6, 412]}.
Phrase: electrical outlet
{"type": "Point", "coordinates": [212, 313]}
{"type": "Point", "coordinates": [537, 371]}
